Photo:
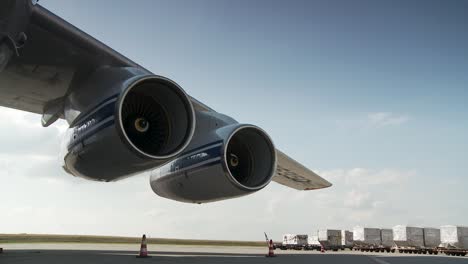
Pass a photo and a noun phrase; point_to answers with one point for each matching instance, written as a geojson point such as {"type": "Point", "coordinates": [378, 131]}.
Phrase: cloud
{"type": "Point", "coordinates": [367, 177]}
{"type": "Point", "coordinates": [30, 150]}
{"type": "Point", "coordinates": [59, 203]}
{"type": "Point", "coordinates": [382, 119]}
{"type": "Point", "coordinates": [357, 199]}
{"type": "Point", "coordinates": [359, 196]}
{"type": "Point", "coordinates": [364, 193]}
{"type": "Point", "coordinates": [374, 120]}
{"type": "Point", "coordinates": [30, 138]}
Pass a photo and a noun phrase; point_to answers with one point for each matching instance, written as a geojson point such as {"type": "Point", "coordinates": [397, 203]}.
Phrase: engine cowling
{"type": "Point", "coordinates": [238, 160]}
{"type": "Point", "coordinates": [124, 121]}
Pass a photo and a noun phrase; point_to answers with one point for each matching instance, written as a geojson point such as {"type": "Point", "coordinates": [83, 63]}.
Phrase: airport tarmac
{"type": "Point", "coordinates": [122, 253]}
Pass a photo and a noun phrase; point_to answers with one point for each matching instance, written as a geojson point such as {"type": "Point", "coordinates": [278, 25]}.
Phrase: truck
{"type": "Point", "coordinates": [454, 240]}
{"type": "Point", "coordinates": [313, 243]}
{"type": "Point", "coordinates": [409, 239]}
{"type": "Point", "coordinates": [347, 241]}
{"type": "Point", "coordinates": [366, 239]}
{"type": "Point", "coordinates": [293, 241]}
{"type": "Point", "coordinates": [330, 239]}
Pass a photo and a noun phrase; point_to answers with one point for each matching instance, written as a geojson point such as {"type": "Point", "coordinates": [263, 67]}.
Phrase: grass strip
{"type": "Point", "coordinates": [39, 238]}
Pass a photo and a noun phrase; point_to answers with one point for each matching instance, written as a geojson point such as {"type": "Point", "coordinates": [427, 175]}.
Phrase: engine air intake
{"type": "Point", "coordinates": [250, 158]}
{"type": "Point", "coordinates": [156, 117]}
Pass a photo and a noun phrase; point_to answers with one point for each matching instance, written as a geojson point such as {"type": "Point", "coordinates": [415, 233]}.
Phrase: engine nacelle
{"type": "Point", "coordinates": [238, 160]}
{"type": "Point", "coordinates": [124, 121]}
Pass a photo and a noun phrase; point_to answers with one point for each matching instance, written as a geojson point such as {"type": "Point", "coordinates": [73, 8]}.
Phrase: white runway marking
{"type": "Point", "coordinates": [379, 261]}
{"type": "Point", "coordinates": [183, 256]}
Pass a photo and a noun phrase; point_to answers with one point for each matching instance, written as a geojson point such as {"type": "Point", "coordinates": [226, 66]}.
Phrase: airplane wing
{"type": "Point", "coordinates": [43, 57]}
{"type": "Point", "coordinates": [293, 174]}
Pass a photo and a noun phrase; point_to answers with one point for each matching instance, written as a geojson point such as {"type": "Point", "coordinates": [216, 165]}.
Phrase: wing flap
{"type": "Point", "coordinates": [293, 174]}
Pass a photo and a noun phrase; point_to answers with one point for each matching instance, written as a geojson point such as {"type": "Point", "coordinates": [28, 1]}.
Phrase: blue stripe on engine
{"type": "Point", "coordinates": [85, 116]}
{"type": "Point", "coordinates": [191, 160]}
{"type": "Point", "coordinates": [93, 124]}
{"type": "Point", "coordinates": [192, 151]}
{"type": "Point", "coordinates": [198, 157]}
{"type": "Point", "coordinates": [89, 133]}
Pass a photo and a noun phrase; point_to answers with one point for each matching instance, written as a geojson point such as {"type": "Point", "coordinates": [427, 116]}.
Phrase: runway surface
{"type": "Point", "coordinates": [118, 253]}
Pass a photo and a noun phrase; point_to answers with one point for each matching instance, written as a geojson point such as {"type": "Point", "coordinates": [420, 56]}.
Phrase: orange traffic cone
{"type": "Point", "coordinates": [271, 252]}
{"type": "Point", "coordinates": [322, 249]}
{"type": "Point", "coordinates": [143, 248]}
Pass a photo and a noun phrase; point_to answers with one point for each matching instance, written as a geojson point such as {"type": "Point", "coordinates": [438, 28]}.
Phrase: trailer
{"type": "Point", "coordinates": [454, 240]}
{"type": "Point", "coordinates": [386, 240]}
{"type": "Point", "coordinates": [409, 239]}
{"type": "Point", "coordinates": [330, 239]}
{"type": "Point", "coordinates": [347, 241]}
{"type": "Point", "coordinates": [431, 240]}
{"type": "Point", "coordinates": [367, 239]}
{"type": "Point", "coordinates": [454, 251]}
{"type": "Point", "coordinates": [313, 243]}
{"type": "Point", "coordinates": [293, 241]}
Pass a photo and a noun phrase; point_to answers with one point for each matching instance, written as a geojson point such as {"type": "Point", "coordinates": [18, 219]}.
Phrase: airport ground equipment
{"type": "Point", "coordinates": [271, 252]}
{"type": "Point", "coordinates": [409, 239]}
{"type": "Point", "coordinates": [431, 237]}
{"type": "Point", "coordinates": [313, 243]}
{"type": "Point", "coordinates": [330, 239]}
{"type": "Point", "coordinates": [454, 240]}
{"type": "Point", "coordinates": [431, 241]}
{"type": "Point", "coordinates": [277, 245]}
{"type": "Point", "coordinates": [143, 249]}
{"type": "Point", "coordinates": [294, 241]}
{"type": "Point", "coordinates": [267, 239]}
{"type": "Point", "coordinates": [386, 240]}
{"type": "Point", "coordinates": [367, 239]}
{"type": "Point", "coordinates": [346, 239]}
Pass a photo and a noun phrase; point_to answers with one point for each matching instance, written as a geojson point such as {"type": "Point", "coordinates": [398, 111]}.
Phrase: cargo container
{"type": "Point", "coordinates": [346, 239]}
{"type": "Point", "coordinates": [416, 240]}
{"type": "Point", "coordinates": [431, 237]}
{"type": "Point", "coordinates": [386, 236]}
{"type": "Point", "coordinates": [454, 240]}
{"type": "Point", "coordinates": [431, 241]}
{"type": "Point", "coordinates": [313, 243]}
{"type": "Point", "coordinates": [408, 236]}
{"type": "Point", "coordinates": [454, 236]}
{"type": "Point", "coordinates": [366, 239]}
{"type": "Point", "coordinates": [330, 239]}
{"type": "Point", "coordinates": [293, 241]}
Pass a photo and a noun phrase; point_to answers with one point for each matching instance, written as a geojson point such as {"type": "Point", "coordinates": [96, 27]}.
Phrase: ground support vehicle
{"type": "Point", "coordinates": [293, 241]}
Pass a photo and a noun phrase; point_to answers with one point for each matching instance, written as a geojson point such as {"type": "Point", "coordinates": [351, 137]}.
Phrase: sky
{"type": "Point", "coordinates": [371, 95]}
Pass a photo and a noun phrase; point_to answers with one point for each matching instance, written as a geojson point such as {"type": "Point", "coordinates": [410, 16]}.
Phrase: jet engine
{"type": "Point", "coordinates": [124, 121]}
{"type": "Point", "coordinates": [238, 160]}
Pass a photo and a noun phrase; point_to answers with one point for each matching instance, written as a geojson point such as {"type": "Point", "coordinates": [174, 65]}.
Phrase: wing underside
{"type": "Point", "coordinates": [56, 57]}
{"type": "Point", "coordinates": [293, 174]}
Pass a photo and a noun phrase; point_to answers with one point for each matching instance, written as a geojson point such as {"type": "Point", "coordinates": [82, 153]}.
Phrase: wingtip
{"type": "Point", "coordinates": [327, 185]}
{"type": "Point", "coordinates": [318, 188]}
